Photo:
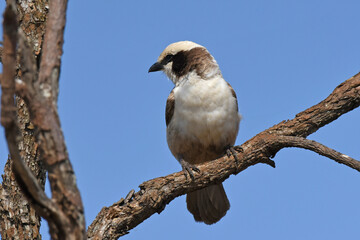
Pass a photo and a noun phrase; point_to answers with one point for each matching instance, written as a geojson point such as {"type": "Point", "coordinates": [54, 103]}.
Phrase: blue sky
{"type": "Point", "coordinates": [281, 57]}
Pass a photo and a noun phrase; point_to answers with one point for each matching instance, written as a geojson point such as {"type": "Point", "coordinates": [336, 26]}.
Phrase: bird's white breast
{"type": "Point", "coordinates": [205, 111]}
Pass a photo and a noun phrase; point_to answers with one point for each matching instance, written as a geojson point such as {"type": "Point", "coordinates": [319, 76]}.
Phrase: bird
{"type": "Point", "coordinates": [202, 120]}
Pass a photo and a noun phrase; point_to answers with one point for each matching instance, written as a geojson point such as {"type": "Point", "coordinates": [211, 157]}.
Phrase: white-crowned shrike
{"type": "Point", "coordinates": [202, 119]}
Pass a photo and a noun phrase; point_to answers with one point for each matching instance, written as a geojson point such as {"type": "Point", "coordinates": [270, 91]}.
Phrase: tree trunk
{"type": "Point", "coordinates": [18, 219]}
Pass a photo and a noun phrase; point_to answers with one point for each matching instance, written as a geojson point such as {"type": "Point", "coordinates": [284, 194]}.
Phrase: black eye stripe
{"type": "Point", "coordinates": [180, 62]}
{"type": "Point", "coordinates": [167, 59]}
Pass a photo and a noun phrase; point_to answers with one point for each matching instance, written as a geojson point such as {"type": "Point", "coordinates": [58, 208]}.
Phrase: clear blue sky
{"type": "Point", "coordinates": [281, 57]}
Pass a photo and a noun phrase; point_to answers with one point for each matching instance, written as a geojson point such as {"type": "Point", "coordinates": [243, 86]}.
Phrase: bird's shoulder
{"type": "Point", "coordinates": [170, 107]}
{"type": "Point", "coordinates": [234, 95]}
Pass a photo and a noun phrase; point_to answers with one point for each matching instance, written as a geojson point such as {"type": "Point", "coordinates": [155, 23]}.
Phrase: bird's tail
{"type": "Point", "coordinates": [208, 205]}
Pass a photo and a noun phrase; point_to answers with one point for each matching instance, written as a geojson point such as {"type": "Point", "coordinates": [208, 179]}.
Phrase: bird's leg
{"type": "Point", "coordinates": [188, 168]}
{"type": "Point", "coordinates": [232, 151]}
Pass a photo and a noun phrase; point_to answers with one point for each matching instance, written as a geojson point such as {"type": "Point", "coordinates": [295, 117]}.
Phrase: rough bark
{"type": "Point", "coordinates": [66, 219]}
{"type": "Point", "coordinates": [18, 219]}
{"type": "Point", "coordinates": [37, 85]}
{"type": "Point", "coordinates": [116, 220]}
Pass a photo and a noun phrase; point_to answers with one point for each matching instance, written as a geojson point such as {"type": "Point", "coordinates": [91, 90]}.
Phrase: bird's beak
{"type": "Point", "coordinates": [156, 67]}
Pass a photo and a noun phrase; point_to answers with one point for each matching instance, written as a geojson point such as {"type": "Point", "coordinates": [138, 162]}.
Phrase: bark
{"type": "Point", "coordinates": [115, 221]}
{"type": "Point", "coordinates": [18, 219]}
{"type": "Point", "coordinates": [37, 85]}
{"type": "Point", "coordinates": [34, 137]}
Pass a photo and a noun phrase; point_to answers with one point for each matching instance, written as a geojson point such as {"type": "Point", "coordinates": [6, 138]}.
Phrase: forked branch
{"type": "Point", "coordinates": [38, 88]}
{"type": "Point", "coordinates": [116, 220]}
{"type": "Point", "coordinates": [299, 142]}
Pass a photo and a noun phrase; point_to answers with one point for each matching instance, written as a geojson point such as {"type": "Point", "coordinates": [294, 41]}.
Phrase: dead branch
{"type": "Point", "coordinates": [18, 218]}
{"type": "Point", "coordinates": [116, 220]}
{"type": "Point", "coordinates": [299, 142]}
{"type": "Point", "coordinates": [65, 211]}
{"type": "Point", "coordinates": [25, 177]}
{"type": "Point", "coordinates": [52, 49]}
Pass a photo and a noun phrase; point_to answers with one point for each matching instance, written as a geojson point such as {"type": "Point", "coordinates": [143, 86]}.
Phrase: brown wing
{"type": "Point", "coordinates": [170, 106]}
{"type": "Point", "coordinates": [234, 95]}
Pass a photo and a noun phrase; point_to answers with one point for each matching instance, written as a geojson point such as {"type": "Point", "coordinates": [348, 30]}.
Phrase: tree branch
{"type": "Point", "coordinates": [52, 50]}
{"type": "Point", "coordinates": [25, 178]}
{"type": "Point", "coordinates": [64, 212]}
{"type": "Point", "coordinates": [299, 142]}
{"type": "Point", "coordinates": [18, 218]}
{"type": "Point", "coordinates": [116, 220]}
{"type": "Point", "coordinates": [40, 94]}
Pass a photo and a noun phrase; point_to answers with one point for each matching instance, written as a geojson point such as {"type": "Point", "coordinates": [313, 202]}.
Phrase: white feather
{"type": "Point", "coordinates": [205, 109]}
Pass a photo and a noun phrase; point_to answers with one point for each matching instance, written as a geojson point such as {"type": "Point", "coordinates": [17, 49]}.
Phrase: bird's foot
{"type": "Point", "coordinates": [232, 151]}
{"type": "Point", "coordinates": [188, 168]}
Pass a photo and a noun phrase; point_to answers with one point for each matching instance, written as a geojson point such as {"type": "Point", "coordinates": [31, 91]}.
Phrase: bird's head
{"type": "Point", "coordinates": [180, 59]}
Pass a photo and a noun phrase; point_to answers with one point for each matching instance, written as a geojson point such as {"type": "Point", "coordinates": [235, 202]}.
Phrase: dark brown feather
{"type": "Point", "coordinates": [209, 204]}
{"type": "Point", "coordinates": [170, 107]}
{"type": "Point", "coordinates": [234, 95]}
{"type": "Point", "coordinates": [198, 59]}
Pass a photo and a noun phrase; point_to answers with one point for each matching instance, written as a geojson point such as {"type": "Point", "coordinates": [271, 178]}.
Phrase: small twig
{"type": "Point", "coordinates": [291, 141]}
{"type": "Point", "coordinates": [1, 52]}
{"type": "Point", "coordinates": [129, 196]}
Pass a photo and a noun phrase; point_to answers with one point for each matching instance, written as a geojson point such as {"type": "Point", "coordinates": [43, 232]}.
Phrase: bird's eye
{"type": "Point", "coordinates": [167, 59]}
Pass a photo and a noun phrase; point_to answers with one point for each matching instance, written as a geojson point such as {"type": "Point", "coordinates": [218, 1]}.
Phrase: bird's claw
{"type": "Point", "coordinates": [188, 168]}
{"type": "Point", "coordinates": [232, 151]}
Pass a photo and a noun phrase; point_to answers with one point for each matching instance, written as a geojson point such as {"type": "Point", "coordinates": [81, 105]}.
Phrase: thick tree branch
{"type": "Point", "coordinates": [65, 211]}
{"type": "Point", "coordinates": [116, 220]}
{"type": "Point", "coordinates": [10, 25]}
{"type": "Point", "coordinates": [52, 50]}
{"type": "Point", "coordinates": [39, 90]}
{"type": "Point", "coordinates": [25, 178]}
{"type": "Point", "coordinates": [18, 218]}
{"type": "Point", "coordinates": [343, 99]}
{"type": "Point", "coordinates": [40, 94]}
